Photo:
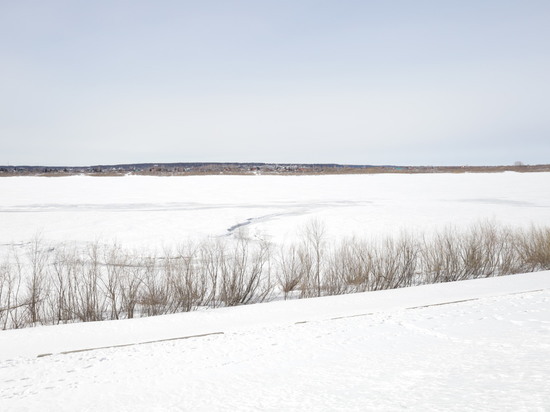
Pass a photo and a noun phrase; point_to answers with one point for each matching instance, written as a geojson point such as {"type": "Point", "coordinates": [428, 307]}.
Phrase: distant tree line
{"type": "Point", "coordinates": [182, 169]}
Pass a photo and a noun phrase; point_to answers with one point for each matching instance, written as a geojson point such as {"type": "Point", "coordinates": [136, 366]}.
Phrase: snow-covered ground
{"type": "Point", "coordinates": [486, 349]}
{"type": "Point", "coordinates": [152, 212]}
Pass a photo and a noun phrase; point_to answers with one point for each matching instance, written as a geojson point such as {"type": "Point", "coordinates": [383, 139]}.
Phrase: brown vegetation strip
{"type": "Point", "coordinates": [200, 169]}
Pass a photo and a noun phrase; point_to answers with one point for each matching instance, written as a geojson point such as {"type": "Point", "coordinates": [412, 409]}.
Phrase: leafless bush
{"type": "Point", "coordinates": [349, 268]}
{"type": "Point", "coordinates": [4, 290]}
{"type": "Point", "coordinates": [511, 260]}
{"type": "Point", "coordinates": [188, 285]}
{"type": "Point", "coordinates": [289, 273]}
{"type": "Point", "coordinates": [440, 257]}
{"type": "Point", "coordinates": [483, 250]}
{"type": "Point", "coordinates": [88, 303]}
{"type": "Point", "coordinates": [154, 295]}
{"type": "Point", "coordinates": [480, 251]}
{"type": "Point", "coordinates": [309, 256]}
{"type": "Point", "coordinates": [393, 264]}
{"type": "Point", "coordinates": [36, 283]}
{"type": "Point", "coordinates": [211, 261]}
{"type": "Point", "coordinates": [11, 308]}
{"type": "Point", "coordinates": [245, 273]}
{"type": "Point", "coordinates": [61, 299]}
{"type": "Point", "coordinates": [117, 267]}
{"type": "Point", "coordinates": [130, 286]}
{"type": "Point", "coordinates": [314, 235]}
{"type": "Point", "coordinates": [534, 245]}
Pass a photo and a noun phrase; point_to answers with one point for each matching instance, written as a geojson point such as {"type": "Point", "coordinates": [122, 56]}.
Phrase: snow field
{"type": "Point", "coordinates": [155, 212]}
{"type": "Point", "coordinates": [486, 351]}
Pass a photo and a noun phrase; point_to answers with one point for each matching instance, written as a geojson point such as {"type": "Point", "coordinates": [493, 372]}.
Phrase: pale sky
{"type": "Point", "coordinates": [291, 81]}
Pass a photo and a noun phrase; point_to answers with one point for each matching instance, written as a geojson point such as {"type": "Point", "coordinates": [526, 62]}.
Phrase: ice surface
{"type": "Point", "coordinates": [152, 212]}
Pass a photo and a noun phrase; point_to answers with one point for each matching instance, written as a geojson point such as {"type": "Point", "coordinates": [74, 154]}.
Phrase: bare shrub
{"type": "Point", "coordinates": [4, 290]}
{"type": "Point", "coordinates": [211, 261]}
{"type": "Point", "coordinates": [130, 287]}
{"type": "Point", "coordinates": [289, 274]}
{"type": "Point", "coordinates": [87, 302]}
{"type": "Point", "coordinates": [36, 283]}
{"type": "Point", "coordinates": [15, 304]}
{"type": "Point", "coordinates": [61, 300]}
{"type": "Point", "coordinates": [154, 294]}
{"type": "Point", "coordinates": [307, 258]}
{"type": "Point", "coordinates": [440, 261]}
{"type": "Point", "coordinates": [534, 246]}
{"type": "Point", "coordinates": [483, 250]}
{"type": "Point", "coordinates": [306, 265]}
{"type": "Point", "coordinates": [314, 236]}
{"type": "Point", "coordinates": [359, 269]}
{"type": "Point", "coordinates": [117, 270]}
{"type": "Point", "coordinates": [11, 308]}
{"type": "Point", "coordinates": [348, 268]}
{"type": "Point", "coordinates": [393, 264]}
{"type": "Point", "coordinates": [245, 273]}
{"type": "Point", "coordinates": [188, 285]}
{"type": "Point", "coordinates": [510, 260]}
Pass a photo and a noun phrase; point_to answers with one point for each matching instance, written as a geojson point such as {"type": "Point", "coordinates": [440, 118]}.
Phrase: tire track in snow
{"type": "Point", "coordinates": [129, 344]}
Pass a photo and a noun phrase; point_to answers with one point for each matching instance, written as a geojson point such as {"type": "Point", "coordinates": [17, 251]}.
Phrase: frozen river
{"type": "Point", "coordinates": [139, 211]}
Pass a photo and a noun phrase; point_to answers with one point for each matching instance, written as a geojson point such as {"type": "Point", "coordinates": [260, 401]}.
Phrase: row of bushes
{"type": "Point", "coordinates": [52, 284]}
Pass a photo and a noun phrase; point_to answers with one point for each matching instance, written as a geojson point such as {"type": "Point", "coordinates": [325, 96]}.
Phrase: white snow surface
{"type": "Point", "coordinates": [474, 345]}
{"type": "Point", "coordinates": [155, 212]}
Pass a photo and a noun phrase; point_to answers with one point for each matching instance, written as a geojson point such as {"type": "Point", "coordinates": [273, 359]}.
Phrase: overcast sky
{"type": "Point", "coordinates": [358, 82]}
